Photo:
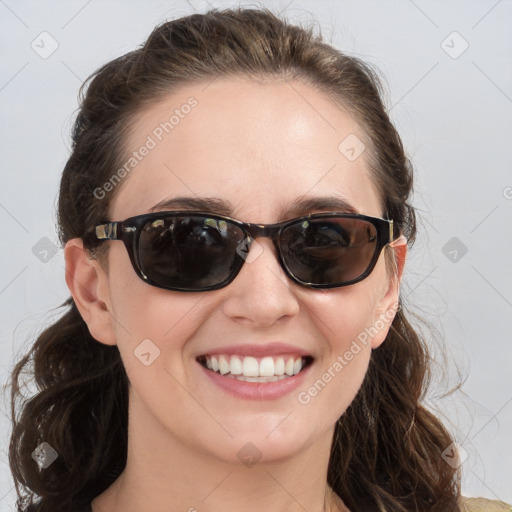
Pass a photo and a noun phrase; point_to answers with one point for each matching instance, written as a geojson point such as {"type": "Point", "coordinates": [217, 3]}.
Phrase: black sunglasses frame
{"type": "Point", "coordinates": [129, 230]}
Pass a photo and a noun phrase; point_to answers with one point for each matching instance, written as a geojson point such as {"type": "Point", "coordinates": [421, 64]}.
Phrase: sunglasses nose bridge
{"type": "Point", "coordinates": [264, 231]}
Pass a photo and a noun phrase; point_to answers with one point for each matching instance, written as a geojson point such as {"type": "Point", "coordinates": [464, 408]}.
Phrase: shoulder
{"type": "Point", "coordinates": [483, 505]}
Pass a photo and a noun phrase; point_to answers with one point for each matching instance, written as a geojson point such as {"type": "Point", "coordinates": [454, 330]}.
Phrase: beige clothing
{"type": "Point", "coordinates": [483, 505]}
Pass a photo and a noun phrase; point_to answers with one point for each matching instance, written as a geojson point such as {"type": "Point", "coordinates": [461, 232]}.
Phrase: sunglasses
{"type": "Point", "coordinates": [196, 251]}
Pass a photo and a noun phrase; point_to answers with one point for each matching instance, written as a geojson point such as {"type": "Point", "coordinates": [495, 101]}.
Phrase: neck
{"type": "Point", "coordinates": [173, 476]}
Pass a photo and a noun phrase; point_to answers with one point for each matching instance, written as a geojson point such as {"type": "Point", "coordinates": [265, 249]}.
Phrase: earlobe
{"type": "Point", "coordinates": [88, 285]}
{"type": "Point", "coordinates": [389, 302]}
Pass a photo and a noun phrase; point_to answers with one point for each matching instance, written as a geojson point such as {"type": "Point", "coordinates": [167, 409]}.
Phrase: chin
{"type": "Point", "coordinates": [264, 441]}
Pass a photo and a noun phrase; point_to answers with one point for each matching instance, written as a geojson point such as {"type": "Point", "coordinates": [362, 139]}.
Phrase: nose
{"type": "Point", "coordinates": [262, 293]}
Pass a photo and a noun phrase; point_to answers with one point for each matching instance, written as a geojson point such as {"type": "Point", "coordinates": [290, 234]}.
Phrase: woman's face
{"type": "Point", "coordinates": [258, 148]}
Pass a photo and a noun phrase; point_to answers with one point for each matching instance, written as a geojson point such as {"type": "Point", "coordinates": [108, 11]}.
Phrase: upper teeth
{"type": "Point", "coordinates": [253, 367]}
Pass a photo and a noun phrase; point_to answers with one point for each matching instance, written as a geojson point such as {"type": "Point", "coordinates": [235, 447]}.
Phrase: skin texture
{"type": "Point", "coordinates": [259, 146]}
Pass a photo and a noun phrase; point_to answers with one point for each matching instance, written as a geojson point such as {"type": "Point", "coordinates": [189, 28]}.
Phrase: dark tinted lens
{"type": "Point", "coordinates": [329, 250]}
{"type": "Point", "coordinates": [189, 252]}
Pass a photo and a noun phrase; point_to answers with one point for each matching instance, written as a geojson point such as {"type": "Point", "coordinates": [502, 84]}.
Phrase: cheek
{"type": "Point", "coordinates": [150, 320]}
{"type": "Point", "coordinates": [345, 318]}
{"type": "Point", "coordinates": [345, 314]}
{"type": "Point", "coordinates": [139, 309]}
{"type": "Point", "coordinates": [154, 327]}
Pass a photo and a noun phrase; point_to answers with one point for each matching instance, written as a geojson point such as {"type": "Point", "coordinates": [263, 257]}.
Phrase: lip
{"type": "Point", "coordinates": [253, 350]}
{"type": "Point", "coordinates": [256, 390]}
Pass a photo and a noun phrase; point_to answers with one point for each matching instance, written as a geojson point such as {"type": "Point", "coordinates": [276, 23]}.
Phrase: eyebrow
{"type": "Point", "coordinates": [300, 206]}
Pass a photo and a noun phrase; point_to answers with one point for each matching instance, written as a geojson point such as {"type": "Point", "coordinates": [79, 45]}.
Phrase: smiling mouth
{"type": "Point", "coordinates": [255, 369]}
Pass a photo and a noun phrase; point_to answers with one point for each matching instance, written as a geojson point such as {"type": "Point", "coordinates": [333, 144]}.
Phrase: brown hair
{"type": "Point", "coordinates": [386, 451]}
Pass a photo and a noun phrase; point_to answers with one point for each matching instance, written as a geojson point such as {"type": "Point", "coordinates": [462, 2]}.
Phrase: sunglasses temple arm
{"type": "Point", "coordinates": [394, 242]}
{"type": "Point", "coordinates": [107, 231]}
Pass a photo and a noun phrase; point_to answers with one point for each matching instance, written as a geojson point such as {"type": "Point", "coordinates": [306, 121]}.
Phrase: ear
{"type": "Point", "coordinates": [387, 305]}
{"type": "Point", "coordinates": [88, 284]}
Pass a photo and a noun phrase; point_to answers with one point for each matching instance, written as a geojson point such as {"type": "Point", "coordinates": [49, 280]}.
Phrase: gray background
{"type": "Point", "coordinates": [452, 108]}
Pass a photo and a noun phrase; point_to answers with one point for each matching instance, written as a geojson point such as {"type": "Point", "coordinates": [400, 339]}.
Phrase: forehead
{"type": "Point", "coordinates": [257, 146]}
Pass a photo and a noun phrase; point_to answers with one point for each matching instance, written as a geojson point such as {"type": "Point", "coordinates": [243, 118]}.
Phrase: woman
{"type": "Point", "coordinates": [235, 219]}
